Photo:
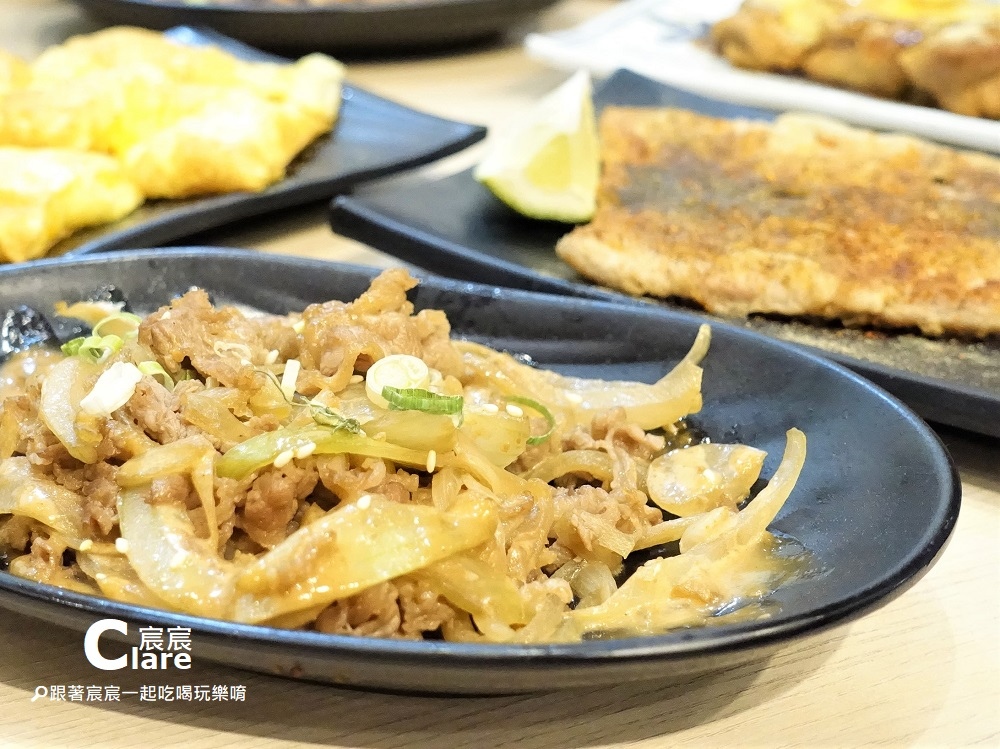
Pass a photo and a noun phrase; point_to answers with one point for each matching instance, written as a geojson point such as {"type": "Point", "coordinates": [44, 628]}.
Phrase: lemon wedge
{"type": "Point", "coordinates": [546, 165]}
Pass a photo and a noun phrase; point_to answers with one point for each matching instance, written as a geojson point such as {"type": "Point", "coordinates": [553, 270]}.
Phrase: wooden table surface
{"type": "Point", "coordinates": [923, 670]}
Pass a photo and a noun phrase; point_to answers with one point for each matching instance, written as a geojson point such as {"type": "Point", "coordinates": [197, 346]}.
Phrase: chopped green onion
{"type": "Point", "coordinates": [329, 418]}
{"type": "Point", "coordinates": [97, 349]}
{"type": "Point", "coordinates": [155, 369]}
{"type": "Point", "coordinates": [417, 399]}
{"type": "Point", "coordinates": [539, 408]}
{"type": "Point", "coordinates": [321, 414]}
{"type": "Point", "coordinates": [130, 321]}
{"type": "Point", "coordinates": [71, 347]}
{"type": "Point", "coordinates": [100, 348]}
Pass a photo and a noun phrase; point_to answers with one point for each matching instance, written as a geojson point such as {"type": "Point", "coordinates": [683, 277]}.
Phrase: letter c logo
{"type": "Point", "coordinates": [90, 642]}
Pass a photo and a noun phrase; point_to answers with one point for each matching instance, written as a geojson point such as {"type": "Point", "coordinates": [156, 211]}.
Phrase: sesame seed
{"type": "Point", "coordinates": [299, 326]}
{"type": "Point", "coordinates": [364, 501]}
{"type": "Point", "coordinates": [86, 545]}
{"type": "Point", "coordinates": [432, 457]}
{"type": "Point", "coordinates": [272, 356]}
{"type": "Point", "coordinates": [306, 450]}
{"type": "Point", "coordinates": [491, 408]}
{"type": "Point", "coordinates": [121, 545]}
{"type": "Point", "coordinates": [355, 379]}
{"type": "Point", "coordinates": [177, 559]}
{"type": "Point", "coordinates": [323, 589]}
{"type": "Point", "coordinates": [514, 410]}
{"type": "Point", "coordinates": [574, 398]}
{"type": "Point", "coordinates": [100, 576]}
{"type": "Point", "coordinates": [165, 315]}
{"type": "Point", "coordinates": [284, 458]}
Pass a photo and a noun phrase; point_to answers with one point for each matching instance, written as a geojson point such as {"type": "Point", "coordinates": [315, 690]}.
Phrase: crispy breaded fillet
{"type": "Point", "coordinates": [774, 34]}
{"type": "Point", "coordinates": [803, 216]}
{"type": "Point", "coordinates": [960, 67]}
{"type": "Point", "coordinates": [946, 50]}
{"type": "Point", "coordinates": [47, 194]}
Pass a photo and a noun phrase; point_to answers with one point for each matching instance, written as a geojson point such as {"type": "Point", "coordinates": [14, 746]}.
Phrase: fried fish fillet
{"type": "Point", "coordinates": [804, 216]}
{"type": "Point", "coordinates": [943, 50]}
{"type": "Point", "coordinates": [47, 194]}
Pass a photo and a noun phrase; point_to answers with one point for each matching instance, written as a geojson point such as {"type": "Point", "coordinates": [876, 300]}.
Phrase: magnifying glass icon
{"type": "Point", "coordinates": [40, 693]}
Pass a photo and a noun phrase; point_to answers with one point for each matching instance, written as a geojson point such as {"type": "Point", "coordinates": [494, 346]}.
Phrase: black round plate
{"type": "Point", "coordinates": [876, 501]}
{"type": "Point", "coordinates": [353, 26]}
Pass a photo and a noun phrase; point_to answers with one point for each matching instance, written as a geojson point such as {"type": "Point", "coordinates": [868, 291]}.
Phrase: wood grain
{"type": "Point", "coordinates": [923, 671]}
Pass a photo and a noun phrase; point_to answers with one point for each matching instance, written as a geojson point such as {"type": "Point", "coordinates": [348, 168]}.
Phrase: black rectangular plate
{"type": "Point", "coordinates": [455, 227]}
{"type": "Point", "coordinates": [373, 137]}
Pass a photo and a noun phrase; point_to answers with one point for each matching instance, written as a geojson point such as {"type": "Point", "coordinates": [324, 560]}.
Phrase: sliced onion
{"type": "Point", "coordinates": [414, 430]}
{"type": "Point", "coordinates": [665, 532]}
{"type": "Point", "coordinates": [592, 582]}
{"type": "Point", "coordinates": [596, 463]}
{"type": "Point", "coordinates": [24, 494]}
{"type": "Point", "coordinates": [688, 588]}
{"type": "Point", "coordinates": [177, 566]}
{"type": "Point", "coordinates": [501, 437]}
{"type": "Point", "coordinates": [172, 459]}
{"type": "Point", "coordinates": [476, 587]}
{"type": "Point", "coordinates": [262, 450]}
{"type": "Point", "coordinates": [116, 579]}
{"type": "Point", "coordinates": [211, 414]}
{"type": "Point", "coordinates": [578, 400]}
{"type": "Point", "coordinates": [354, 547]}
{"type": "Point", "coordinates": [65, 385]}
{"type": "Point", "coordinates": [696, 479]}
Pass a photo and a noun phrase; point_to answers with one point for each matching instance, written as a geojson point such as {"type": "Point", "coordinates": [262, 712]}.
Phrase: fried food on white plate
{"type": "Point", "coordinates": [944, 50]}
{"type": "Point", "coordinates": [960, 67]}
{"type": "Point", "coordinates": [774, 34]}
{"type": "Point", "coordinates": [47, 194]}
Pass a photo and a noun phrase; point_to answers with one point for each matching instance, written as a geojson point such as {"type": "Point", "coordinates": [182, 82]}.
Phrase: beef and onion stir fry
{"type": "Point", "coordinates": [353, 469]}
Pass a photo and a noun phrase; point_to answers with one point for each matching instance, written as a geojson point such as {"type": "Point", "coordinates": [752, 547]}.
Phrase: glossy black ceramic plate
{"type": "Point", "coordinates": [875, 503]}
{"type": "Point", "coordinates": [455, 227]}
{"type": "Point", "coordinates": [373, 137]}
{"type": "Point", "coordinates": [355, 25]}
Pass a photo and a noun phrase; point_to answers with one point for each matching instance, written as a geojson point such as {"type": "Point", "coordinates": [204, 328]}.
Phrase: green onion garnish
{"type": "Point", "coordinates": [417, 399]}
{"type": "Point", "coordinates": [329, 418]}
{"type": "Point", "coordinates": [538, 408]}
{"type": "Point", "coordinates": [322, 415]}
{"type": "Point", "coordinates": [93, 348]}
{"type": "Point", "coordinates": [130, 321]}
{"type": "Point", "coordinates": [72, 346]}
{"type": "Point", "coordinates": [155, 369]}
